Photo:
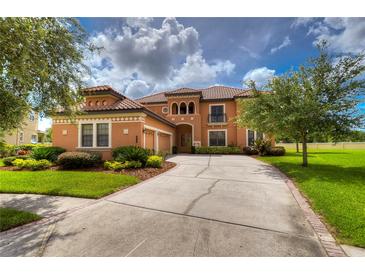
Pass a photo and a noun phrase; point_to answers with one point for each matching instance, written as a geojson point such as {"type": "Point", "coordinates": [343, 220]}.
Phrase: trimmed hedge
{"type": "Point", "coordinates": [154, 161]}
{"type": "Point", "coordinates": [131, 153]}
{"type": "Point", "coordinates": [114, 165]}
{"type": "Point", "coordinates": [277, 151]}
{"type": "Point", "coordinates": [48, 153]}
{"type": "Point", "coordinates": [217, 150]}
{"type": "Point", "coordinates": [75, 160]}
{"type": "Point", "coordinates": [32, 164]}
{"type": "Point", "coordinates": [8, 161]}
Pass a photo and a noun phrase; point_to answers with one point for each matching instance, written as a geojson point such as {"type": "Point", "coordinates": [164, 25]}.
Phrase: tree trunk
{"type": "Point", "coordinates": [297, 145]}
{"type": "Point", "coordinates": [305, 154]}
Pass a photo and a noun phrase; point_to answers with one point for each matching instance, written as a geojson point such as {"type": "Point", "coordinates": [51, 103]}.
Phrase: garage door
{"type": "Point", "coordinates": [164, 142]}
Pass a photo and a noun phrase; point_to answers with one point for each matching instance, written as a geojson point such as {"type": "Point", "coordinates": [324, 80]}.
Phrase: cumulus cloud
{"type": "Point", "coordinates": [344, 35]}
{"type": "Point", "coordinates": [157, 57]}
{"type": "Point", "coordinates": [286, 42]}
{"type": "Point", "coordinates": [261, 76]}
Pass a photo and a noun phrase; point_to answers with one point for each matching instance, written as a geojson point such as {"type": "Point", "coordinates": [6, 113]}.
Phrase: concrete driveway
{"type": "Point", "coordinates": [206, 206]}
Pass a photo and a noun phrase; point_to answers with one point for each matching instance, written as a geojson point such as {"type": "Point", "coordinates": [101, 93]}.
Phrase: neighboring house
{"type": "Point", "coordinates": [27, 134]}
{"type": "Point", "coordinates": [183, 118]}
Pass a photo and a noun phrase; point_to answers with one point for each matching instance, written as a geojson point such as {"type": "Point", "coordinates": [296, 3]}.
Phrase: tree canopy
{"type": "Point", "coordinates": [320, 98]}
{"type": "Point", "coordinates": [41, 67]}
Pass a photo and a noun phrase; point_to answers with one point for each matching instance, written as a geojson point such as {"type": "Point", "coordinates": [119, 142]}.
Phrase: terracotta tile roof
{"type": "Point", "coordinates": [122, 104]}
{"type": "Point", "coordinates": [211, 93]}
{"type": "Point", "coordinates": [100, 90]}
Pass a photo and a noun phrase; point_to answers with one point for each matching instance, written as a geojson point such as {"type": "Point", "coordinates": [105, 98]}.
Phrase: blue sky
{"type": "Point", "coordinates": [141, 56]}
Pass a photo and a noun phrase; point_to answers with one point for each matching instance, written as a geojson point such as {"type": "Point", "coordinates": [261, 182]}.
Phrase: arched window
{"type": "Point", "coordinates": [182, 108]}
{"type": "Point", "coordinates": [174, 108]}
{"type": "Point", "coordinates": [191, 108]}
{"type": "Point", "coordinates": [97, 103]}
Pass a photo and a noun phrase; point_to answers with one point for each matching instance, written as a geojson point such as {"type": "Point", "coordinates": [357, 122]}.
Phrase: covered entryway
{"type": "Point", "coordinates": [184, 133]}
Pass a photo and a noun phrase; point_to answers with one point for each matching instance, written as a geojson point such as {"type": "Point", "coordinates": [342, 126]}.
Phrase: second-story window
{"type": "Point", "coordinates": [174, 108]}
{"type": "Point", "coordinates": [191, 108]}
{"type": "Point", "coordinates": [182, 108]}
{"type": "Point", "coordinates": [31, 116]}
{"type": "Point", "coordinates": [217, 114]}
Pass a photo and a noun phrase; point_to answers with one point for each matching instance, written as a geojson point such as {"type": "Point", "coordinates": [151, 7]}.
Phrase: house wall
{"type": "Point", "coordinates": [28, 129]}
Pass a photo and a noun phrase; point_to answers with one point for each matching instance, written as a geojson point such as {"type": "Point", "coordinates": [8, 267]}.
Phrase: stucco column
{"type": "Point", "coordinates": [155, 146]}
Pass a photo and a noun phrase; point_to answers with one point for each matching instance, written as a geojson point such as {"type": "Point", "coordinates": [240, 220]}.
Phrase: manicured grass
{"type": "Point", "coordinates": [1, 162]}
{"type": "Point", "coordinates": [64, 183]}
{"type": "Point", "coordinates": [334, 182]}
{"type": "Point", "coordinates": [10, 218]}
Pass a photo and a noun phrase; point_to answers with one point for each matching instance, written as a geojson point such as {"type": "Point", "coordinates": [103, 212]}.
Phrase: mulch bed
{"type": "Point", "coordinates": [140, 173]}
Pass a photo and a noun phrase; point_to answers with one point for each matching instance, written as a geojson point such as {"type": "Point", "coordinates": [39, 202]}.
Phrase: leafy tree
{"type": "Point", "coordinates": [318, 99]}
{"type": "Point", "coordinates": [41, 67]}
{"type": "Point", "coordinates": [48, 135]}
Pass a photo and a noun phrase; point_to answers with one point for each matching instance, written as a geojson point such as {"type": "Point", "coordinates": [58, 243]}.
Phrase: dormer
{"type": "Point", "coordinates": [184, 101]}
{"type": "Point", "coordinates": [101, 96]}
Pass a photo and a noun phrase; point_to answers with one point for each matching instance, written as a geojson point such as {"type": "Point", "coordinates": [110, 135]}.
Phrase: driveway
{"type": "Point", "coordinates": [206, 206]}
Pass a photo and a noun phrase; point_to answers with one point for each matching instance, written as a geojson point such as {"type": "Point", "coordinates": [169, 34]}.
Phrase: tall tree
{"type": "Point", "coordinates": [318, 99]}
{"type": "Point", "coordinates": [41, 67]}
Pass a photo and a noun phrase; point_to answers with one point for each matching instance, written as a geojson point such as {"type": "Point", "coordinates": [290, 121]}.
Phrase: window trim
{"type": "Point", "coordinates": [221, 104]}
{"type": "Point", "coordinates": [94, 143]}
{"type": "Point", "coordinates": [225, 134]}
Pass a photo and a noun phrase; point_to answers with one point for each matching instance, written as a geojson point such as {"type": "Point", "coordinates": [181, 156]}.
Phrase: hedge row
{"type": "Point", "coordinates": [217, 150]}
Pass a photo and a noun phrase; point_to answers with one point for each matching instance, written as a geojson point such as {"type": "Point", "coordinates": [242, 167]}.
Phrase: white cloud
{"type": "Point", "coordinates": [157, 57]}
{"type": "Point", "coordinates": [286, 42]}
{"type": "Point", "coordinates": [302, 21]}
{"type": "Point", "coordinates": [261, 76]}
{"type": "Point", "coordinates": [137, 88]}
{"type": "Point", "coordinates": [344, 35]}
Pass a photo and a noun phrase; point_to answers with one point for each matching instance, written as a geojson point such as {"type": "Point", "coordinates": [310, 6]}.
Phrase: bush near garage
{"type": "Point", "coordinates": [250, 151]}
{"type": "Point", "coordinates": [277, 151]}
{"type": "Point", "coordinates": [131, 153]}
{"type": "Point", "coordinates": [48, 153]}
{"type": "Point", "coordinates": [76, 160]}
{"type": "Point", "coordinates": [217, 150]}
{"type": "Point", "coordinates": [154, 161]}
{"type": "Point", "coordinates": [32, 164]}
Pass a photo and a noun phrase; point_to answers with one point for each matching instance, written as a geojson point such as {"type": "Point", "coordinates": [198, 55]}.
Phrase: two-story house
{"type": "Point", "coordinates": [183, 118]}
{"type": "Point", "coordinates": [26, 134]}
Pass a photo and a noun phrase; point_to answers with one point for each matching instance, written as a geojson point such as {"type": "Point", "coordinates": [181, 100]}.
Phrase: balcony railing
{"type": "Point", "coordinates": [217, 118]}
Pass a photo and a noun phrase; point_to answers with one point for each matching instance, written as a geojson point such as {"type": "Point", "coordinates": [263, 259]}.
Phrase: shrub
{"type": "Point", "coordinates": [250, 151]}
{"type": "Point", "coordinates": [6, 150]}
{"type": "Point", "coordinates": [217, 150]}
{"type": "Point", "coordinates": [132, 164]}
{"type": "Point", "coordinates": [32, 164]}
{"type": "Point", "coordinates": [28, 147]}
{"type": "Point", "coordinates": [75, 160]}
{"type": "Point", "coordinates": [154, 161]}
{"type": "Point", "coordinates": [262, 146]}
{"type": "Point", "coordinates": [48, 153]}
{"type": "Point", "coordinates": [174, 150]}
{"type": "Point", "coordinates": [277, 151]}
{"type": "Point", "coordinates": [113, 165]}
{"type": "Point", "coordinates": [8, 161]}
{"type": "Point", "coordinates": [192, 149]}
{"type": "Point", "coordinates": [131, 153]}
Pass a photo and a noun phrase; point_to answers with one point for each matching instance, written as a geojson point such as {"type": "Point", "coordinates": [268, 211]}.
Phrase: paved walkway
{"type": "Point", "coordinates": [206, 206]}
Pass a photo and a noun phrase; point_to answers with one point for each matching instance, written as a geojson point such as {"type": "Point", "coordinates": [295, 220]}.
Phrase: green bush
{"type": "Point", "coordinates": [262, 146]}
{"type": "Point", "coordinates": [8, 161]}
{"type": "Point", "coordinates": [132, 164]}
{"type": "Point", "coordinates": [75, 160]}
{"type": "Point", "coordinates": [48, 153]}
{"type": "Point", "coordinates": [250, 151]}
{"type": "Point", "coordinates": [131, 153]}
{"type": "Point", "coordinates": [192, 149]}
{"type": "Point", "coordinates": [6, 150]}
{"type": "Point", "coordinates": [217, 150]}
{"type": "Point", "coordinates": [277, 151]}
{"type": "Point", "coordinates": [113, 165]}
{"type": "Point", "coordinates": [32, 164]}
{"type": "Point", "coordinates": [28, 147]}
{"type": "Point", "coordinates": [154, 161]}
{"type": "Point", "coordinates": [174, 150]}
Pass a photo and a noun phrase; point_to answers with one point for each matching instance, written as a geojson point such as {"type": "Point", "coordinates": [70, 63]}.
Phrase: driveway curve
{"type": "Point", "coordinates": [208, 205]}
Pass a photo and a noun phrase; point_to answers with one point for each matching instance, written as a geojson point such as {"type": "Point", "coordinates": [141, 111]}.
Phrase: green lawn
{"type": "Point", "coordinates": [334, 182]}
{"type": "Point", "coordinates": [10, 218]}
{"type": "Point", "coordinates": [64, 183]}
{"type": "Point", "coordinates": [1, 162]}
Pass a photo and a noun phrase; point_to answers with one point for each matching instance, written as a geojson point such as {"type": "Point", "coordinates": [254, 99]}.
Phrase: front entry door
{"type": "Point", "coordinates": [185, 142]}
